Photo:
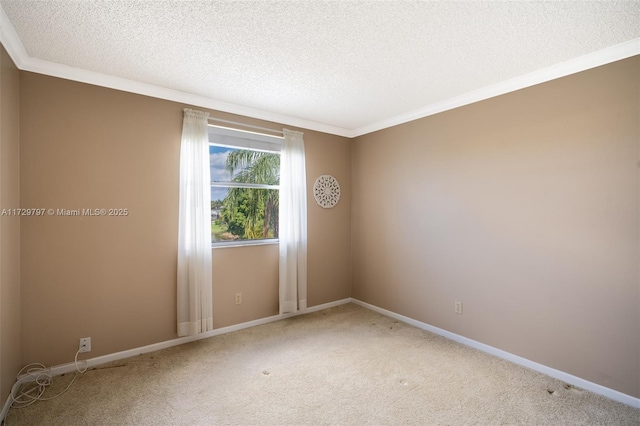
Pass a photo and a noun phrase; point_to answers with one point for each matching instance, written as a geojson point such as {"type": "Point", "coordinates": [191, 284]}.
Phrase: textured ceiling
{"type": "Point", "coordinates": [344, 64]}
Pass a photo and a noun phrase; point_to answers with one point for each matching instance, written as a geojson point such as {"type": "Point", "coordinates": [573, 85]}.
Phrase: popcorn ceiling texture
{"type": "Point", "coordinates": [345, 64]}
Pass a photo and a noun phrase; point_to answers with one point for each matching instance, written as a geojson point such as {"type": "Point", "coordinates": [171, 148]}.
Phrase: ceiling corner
{"type": "Point", "coordinates": [10, 40]}
{"type": "Point", "coordinates": [602, 57]}
{"type": "Point", "coordinates": [16, 50]}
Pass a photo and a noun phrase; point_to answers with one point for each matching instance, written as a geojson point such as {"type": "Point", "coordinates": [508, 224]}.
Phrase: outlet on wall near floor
{"type": "Point", "coordinates": [238, 298]}
{"type": "Point", "coordinates": [85, 344]}
{"type": "Point", "coordinates": [457, 307]}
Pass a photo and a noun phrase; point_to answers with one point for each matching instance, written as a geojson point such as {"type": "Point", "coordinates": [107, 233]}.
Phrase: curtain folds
{"type": "Point", "coordinates": [195, 310]}
{"type": "Point", "coordinates": [293, 224]}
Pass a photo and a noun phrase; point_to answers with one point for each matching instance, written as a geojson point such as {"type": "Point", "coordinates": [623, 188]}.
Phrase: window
{"type": "Point", "coordinates": [245, 178]}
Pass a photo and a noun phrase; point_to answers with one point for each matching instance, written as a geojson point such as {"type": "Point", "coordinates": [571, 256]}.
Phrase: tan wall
{"type": "Point", "coordinates": [114, 279]}
{"type": "Point", "coordinates": [9, 225]}
{"type": "Point", "coordinates": [524, 207]}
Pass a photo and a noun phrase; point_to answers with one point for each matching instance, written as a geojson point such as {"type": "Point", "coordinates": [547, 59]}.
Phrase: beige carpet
{"type": "Point", "coordinates": [345, 365]}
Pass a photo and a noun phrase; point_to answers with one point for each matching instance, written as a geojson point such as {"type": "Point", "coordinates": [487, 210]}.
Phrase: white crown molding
{"type": "Point", "coordinates": [602, 57]}
{"type": "Point", "coordinates": [12, 43]}
{"type": "Point", "coordinates": [118, 83]}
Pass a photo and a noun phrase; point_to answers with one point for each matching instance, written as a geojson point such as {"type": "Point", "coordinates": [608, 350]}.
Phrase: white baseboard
{"type": "Point", "coordinates": [91, 362]}
{"type": "Point", "coordinates": [557, 374]}
{"type": "Point", "coordinates": [13, 394]}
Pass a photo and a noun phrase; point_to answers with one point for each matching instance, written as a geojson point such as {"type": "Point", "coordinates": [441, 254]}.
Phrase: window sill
{"type": "Point", "coordinates": [245, 243]}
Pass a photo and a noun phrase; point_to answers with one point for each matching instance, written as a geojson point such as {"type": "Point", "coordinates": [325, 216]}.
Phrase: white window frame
{"type": "Point", "coordinates": [243, 139]}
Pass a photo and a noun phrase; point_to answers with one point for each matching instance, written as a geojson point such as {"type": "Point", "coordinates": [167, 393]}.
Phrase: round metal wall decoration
{"type": "Point", "coordinates": [326, 191]}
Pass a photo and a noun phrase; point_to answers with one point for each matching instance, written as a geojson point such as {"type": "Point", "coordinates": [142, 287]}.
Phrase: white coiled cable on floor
{"type": "Point", "coordinates": [40, 378]}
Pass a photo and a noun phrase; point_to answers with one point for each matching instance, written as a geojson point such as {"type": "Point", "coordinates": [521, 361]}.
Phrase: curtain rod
{"type": "Point", "coordinates": [246, 125]}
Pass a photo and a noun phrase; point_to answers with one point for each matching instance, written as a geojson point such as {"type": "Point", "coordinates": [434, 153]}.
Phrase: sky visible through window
{"type": "Point", "coordinates": [219, 173]}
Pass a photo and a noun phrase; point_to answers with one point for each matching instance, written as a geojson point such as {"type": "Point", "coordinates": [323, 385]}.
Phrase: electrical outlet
{"type": "Point", "coordinates": [457, 307]}
{"type": "Point", "coordinates": [238, 298]}
{"type": "Point", "coordinates": [85, 344]}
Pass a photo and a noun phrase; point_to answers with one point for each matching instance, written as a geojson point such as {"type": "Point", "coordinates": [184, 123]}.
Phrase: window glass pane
{"type": "Point", "coordinates": [243, 213]}
{"type": "Point", "coordinates": [243, 165]}
{"type": "Point", "coordinates": [218, 159]}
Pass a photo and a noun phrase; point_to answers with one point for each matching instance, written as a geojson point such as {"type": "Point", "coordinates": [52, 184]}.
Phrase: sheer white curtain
{"type": "Point", "coordinates": [195, 310]}
{"type": "Point", "coordinates": [293, 224]}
